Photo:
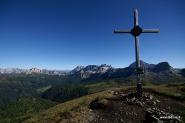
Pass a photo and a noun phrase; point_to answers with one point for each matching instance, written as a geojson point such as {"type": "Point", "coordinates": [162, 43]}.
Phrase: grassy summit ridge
{"type": "Point", "coordinates": [77, 110]}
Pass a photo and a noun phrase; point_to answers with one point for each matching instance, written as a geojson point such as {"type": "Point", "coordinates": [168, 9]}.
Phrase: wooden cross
{"type": "Point", "coordinates": [136, 31]}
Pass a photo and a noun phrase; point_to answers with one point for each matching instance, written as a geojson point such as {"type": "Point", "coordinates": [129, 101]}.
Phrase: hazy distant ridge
{"type": "Point", "coordinates": [105, 70]}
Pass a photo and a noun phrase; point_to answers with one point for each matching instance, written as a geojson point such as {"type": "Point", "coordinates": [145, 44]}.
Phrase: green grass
{"type": "Point", "coordinates": [22, 109]}
{"type": "Point", "coordinates": [176, 91]}
{"type": "Point", "coordinates": [97, 87]}
{"type": "Point", "coordinates": [59, 112]}
{"type": "Point", "coordinates": [43, 89]}
{"type": "Point", "coordinates": [75, 109]}
{"type": "Point", "coordinates": [37, 110]}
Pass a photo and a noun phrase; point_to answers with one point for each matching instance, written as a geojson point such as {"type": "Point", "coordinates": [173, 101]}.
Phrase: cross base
{"type": "Point", "coordinates": [139, 90]}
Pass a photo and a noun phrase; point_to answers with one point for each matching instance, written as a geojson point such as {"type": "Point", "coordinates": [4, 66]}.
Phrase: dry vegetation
{"type": "Point", "coordinates": [77, 110]}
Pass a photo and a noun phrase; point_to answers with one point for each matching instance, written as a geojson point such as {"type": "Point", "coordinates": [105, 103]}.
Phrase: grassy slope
{"type": "Point", "coordinates": [74, 110]}
{"type": "Point", "coordinates": [72, 107]}
{"type": "Point", "coordinates": [15, 86]}
{"type": "Point", "coordinates": [22, 109]}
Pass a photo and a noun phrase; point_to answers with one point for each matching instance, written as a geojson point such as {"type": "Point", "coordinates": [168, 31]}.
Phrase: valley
{"type": "Point", "coordinates": [35, 96]}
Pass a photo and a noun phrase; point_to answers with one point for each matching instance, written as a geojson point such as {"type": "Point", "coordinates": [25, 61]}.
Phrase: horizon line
{"type": "Point", "coordinates": [67, 69]}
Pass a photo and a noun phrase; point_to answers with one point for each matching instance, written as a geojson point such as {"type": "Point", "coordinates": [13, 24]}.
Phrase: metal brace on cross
{"type": "Point", "coordinates": [136, 31]}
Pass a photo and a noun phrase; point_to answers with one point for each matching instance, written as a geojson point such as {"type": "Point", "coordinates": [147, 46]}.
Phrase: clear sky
{"type": "Point", "coordinates": [61, 34]}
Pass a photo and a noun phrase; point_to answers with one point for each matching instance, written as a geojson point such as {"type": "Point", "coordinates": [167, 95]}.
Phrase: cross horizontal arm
{"type": "Point", "coordinates": [122, 31]}
{"type": "Point", "coordinates": [150, 30]}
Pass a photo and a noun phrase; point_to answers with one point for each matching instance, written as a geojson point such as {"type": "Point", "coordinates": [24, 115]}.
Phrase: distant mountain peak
{"type": "Point", "coordinates": [77, 69]}
{"type": "Point", "coordinates": [143, 64]}
{"type": "Point", "coordinates": [162, 66]}
{"type": "Point", "coordinates": [87, 71]}
{"type": "Point", "coordinates": [35, 70]}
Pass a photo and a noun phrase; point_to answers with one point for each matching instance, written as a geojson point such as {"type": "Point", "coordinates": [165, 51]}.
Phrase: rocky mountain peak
{"type": "Point", "coordinates": [162, 66]}
{"type": "Point", "coordinates": [77, 69]}
{"type": "Point", "coordinates": [143, 64]}
{"type": "Point", "coordinates": [35, 70]}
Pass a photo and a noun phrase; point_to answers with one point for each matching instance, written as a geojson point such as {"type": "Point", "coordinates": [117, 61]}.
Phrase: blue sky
{"type": "Point", "coordinates": [62, 34]}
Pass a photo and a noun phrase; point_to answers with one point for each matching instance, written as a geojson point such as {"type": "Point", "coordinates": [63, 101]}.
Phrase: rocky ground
{"type": "Point", "coordinates": [126, 108]}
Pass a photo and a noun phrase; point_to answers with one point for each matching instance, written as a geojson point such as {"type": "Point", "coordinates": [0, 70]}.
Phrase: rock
{"type": "Point", "coordinates": [133, 99]}
{"type": "Point", "coordinates": [135, 114]}
{"type": "Point", "coordinates": [115, 93]}
{"type": "Point", "coordinates": [121, 120]}
{"type": "Point", "coordinates": [156, 115]}
{"type": "Point", "coordinates": [140, 104]}
{"type": "Point", "coordinates": [157, 101]}
{"type": "Point", "coordinates": [95, 104]}
{"type": "Point", "coordinates": [100, 104]}
{"type": "Point", "coordinates": [112, 92]}
{"type": "Point", "coordinates": [151, 97]}
{"type": "Point", "coordinates": [123, 95]}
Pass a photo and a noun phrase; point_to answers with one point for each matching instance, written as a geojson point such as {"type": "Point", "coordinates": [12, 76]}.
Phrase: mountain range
{"type": "Point", "coordinates": [161, 72]}
{"type": "Point", "coordinates": [16, 83]}
{"type": "Point", "coordinates": [31, 71]}
{"type": "Point", "coordinates": [104, 71]}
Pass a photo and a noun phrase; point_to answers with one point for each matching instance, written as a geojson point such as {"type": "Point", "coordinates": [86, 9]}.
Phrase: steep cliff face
{"type": "Point", "coordinates": [90, 70]}
{"type": "Point", "coordinates": [161, 72]}
{"type": "Point", "coordinates": [162, 66]}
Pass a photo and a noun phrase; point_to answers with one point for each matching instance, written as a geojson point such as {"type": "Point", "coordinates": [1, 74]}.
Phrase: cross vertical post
{"type": "Point", "coordinates": [136, 31]}
{"type": "Point", "coordinates": [139, 85]}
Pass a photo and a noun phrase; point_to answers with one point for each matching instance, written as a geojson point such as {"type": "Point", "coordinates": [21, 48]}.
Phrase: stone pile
{"type": "Point", "coordinates": [152, 115]}
{"type": "Point", "coordinates": [131, 98]}
{"type": "Point", "coordinates": [159, 116]}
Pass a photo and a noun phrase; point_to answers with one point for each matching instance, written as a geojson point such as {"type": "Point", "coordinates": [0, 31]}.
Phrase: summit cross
{"type": "Point", "coordinates": [136, 31]}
